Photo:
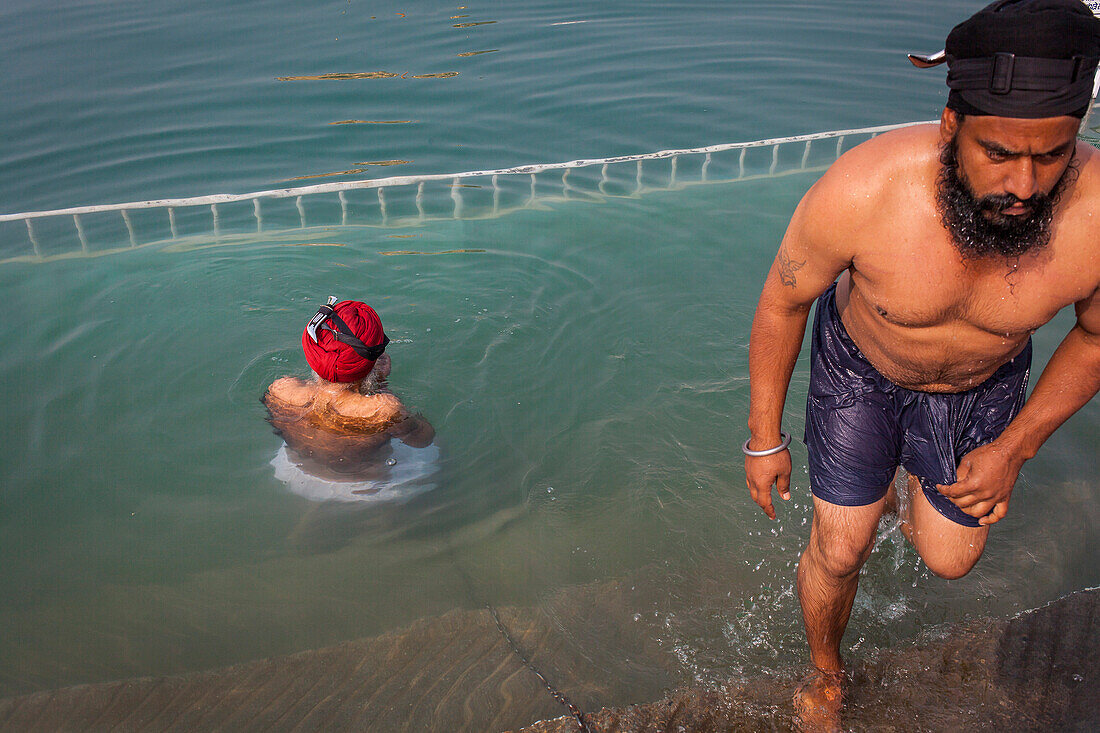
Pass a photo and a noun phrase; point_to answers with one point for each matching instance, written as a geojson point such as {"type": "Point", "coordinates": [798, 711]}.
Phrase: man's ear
{"type": "Point", "coordinates": [949, 125]}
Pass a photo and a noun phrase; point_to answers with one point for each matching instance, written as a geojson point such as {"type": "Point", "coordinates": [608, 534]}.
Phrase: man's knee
{"type": "Point", "coordinates": [841, 538]}
{"type": "Point", "coordinates": [948, 555]}
{"type": "Point", "coordinates": [951, 568]}
{"type": "Point", "coordinates": [949, 550]}
{"type": "Point", "coordinates": [837, 559]}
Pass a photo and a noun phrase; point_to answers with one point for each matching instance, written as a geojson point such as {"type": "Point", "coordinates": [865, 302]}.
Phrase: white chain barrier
{"type": "Point", "coordinates": [406, 201]}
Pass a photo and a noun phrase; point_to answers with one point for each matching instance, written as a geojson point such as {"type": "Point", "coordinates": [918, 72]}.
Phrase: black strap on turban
{"type": "Point", "coordinates": [1023, 58]}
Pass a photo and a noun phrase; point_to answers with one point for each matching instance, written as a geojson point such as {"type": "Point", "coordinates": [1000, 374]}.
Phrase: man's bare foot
{"type": "Point", "coordinates": [818, 701]}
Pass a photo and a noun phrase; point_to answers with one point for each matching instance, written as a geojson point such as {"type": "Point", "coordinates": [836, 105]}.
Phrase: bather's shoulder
{"type": "Point", "coordinates": [1086, 161]}
{"type": "Point", "coordinates": [894, 162]}
{"type": "Point", "coordinates": [379, 408]}
{"type": "Point", "coordinates": [289, 390]}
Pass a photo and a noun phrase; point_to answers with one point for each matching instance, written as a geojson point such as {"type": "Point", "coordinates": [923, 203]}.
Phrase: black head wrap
{"type": "Point", "coordinates": [1024, 58]}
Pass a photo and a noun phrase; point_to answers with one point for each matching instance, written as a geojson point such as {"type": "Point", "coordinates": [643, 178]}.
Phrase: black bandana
{"type": "Point", "coordinates": [1024, 58]}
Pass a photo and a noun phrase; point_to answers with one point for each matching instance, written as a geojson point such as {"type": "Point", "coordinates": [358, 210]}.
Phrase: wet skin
{"type": "Point", "coordinates": [342, 426]}
{"type": "Point", "coordinates": [924, 315]}
{"type": "Point", "coordinates": [928, 319]}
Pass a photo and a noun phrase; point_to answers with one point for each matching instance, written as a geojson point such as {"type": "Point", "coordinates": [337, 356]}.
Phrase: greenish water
{"type": "Point", "coordinates": [584, 364]}
{"type": "Point", "coordinates": [124, 100]}
{"type": "Point", "coordinates": [587, 413]}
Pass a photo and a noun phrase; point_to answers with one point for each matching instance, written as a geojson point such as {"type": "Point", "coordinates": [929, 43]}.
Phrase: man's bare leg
{"type": "Point", "coordinates": [841, 540]}
{"type": "Point", "coordinates": [893, 506]}
{"type": "Point", "coordinates": [904, 509]}
{"type": "Point", "coordinates": [949, 550]}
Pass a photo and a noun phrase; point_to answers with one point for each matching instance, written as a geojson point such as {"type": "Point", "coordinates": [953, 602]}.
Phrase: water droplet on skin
{"type": "Point", "coordinates": [391, 462]}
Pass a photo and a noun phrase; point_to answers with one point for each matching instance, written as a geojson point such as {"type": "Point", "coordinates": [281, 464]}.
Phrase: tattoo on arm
{"type": "Point", "coordinates": [787, 268]}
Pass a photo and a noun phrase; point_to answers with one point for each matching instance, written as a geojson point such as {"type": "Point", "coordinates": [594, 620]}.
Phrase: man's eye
{"type": "Point", "coordinates": [997, 155]}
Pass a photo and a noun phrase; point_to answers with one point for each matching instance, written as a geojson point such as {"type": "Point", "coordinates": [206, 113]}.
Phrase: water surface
{"type": "Point", "coordinates": [584, 363]}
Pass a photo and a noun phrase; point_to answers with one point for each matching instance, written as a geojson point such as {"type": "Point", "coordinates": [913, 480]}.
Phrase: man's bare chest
{"type": "Point", "coordinates": [922, 282]}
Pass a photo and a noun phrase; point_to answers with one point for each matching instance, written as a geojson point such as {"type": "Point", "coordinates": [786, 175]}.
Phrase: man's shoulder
{"type": "Point", "coordinates": [872, 179]}
{"type": "Point", "coordinates": [892, 157]}
{"type": "Point", "coordinates": [290, 390]}
{"type": "Point", "coordinates": [380, 406]}
{"type": "Point", "coordinates": [880, 167]}
{"type": "Point", "coordinates": [1076, 234]}
{"type": "Point", "coordinates": [1088, 170]}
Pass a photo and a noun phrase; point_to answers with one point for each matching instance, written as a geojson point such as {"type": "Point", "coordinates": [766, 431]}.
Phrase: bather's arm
{"type": "Point", "coordinates": [813, 252]}
{"type": "Point", "coordinates": [414, 431]}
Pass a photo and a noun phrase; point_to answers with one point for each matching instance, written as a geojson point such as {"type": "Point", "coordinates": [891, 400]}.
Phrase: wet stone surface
{"type": "Point", "coordinates": [1034, 672]}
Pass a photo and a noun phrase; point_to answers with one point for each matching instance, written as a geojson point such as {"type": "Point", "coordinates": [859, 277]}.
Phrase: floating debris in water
{"type": "Point", "coordinates": [443, 252]}
{"type": "Point", "coordinates": [349, 172]}
{"type": "Point", "coordinates": [471, 25]}
{"type": "Point", "coordinates": [366, 75]}
{"type": "Point", "coordinates": [341, 76]}
{"type": "Point", "coordinates": [478, 53]}
{"type": "Point", "coordinates": [373, 122]}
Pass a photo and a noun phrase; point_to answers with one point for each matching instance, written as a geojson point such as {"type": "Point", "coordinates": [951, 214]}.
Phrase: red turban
{"type": "Point", "coordinates": [334, 360]}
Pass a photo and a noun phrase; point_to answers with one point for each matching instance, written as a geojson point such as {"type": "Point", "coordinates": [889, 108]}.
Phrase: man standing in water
{"type": "Point", "coordinates": [953, 245]}
{"type": "Point", "coordinates": [341, 419]}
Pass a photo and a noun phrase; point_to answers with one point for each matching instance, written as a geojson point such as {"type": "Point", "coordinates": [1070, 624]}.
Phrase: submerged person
{"type": "Point", "coordinates": [953, 244]}
{"type": "Point", "coordinates": [340, 423]}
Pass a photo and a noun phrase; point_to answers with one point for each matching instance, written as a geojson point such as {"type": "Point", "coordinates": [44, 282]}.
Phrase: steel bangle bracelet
{"type": "Point", "coordinates": [770, 451]}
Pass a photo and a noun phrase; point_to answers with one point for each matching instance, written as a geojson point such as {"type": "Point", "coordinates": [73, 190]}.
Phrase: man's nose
{"type": "Point", "coordinates": [1020, 179]}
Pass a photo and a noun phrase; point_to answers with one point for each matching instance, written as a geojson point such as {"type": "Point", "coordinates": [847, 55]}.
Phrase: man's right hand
{"type": "Point", "coordinates": [764, 472]}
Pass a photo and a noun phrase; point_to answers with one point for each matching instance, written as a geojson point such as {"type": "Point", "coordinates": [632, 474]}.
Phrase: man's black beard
{"type": "Point", "coordinates": [979, 227]}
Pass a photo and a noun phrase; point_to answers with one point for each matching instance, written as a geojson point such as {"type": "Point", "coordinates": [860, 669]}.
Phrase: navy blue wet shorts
{"type": "Point", "coordinates": [860, 426]}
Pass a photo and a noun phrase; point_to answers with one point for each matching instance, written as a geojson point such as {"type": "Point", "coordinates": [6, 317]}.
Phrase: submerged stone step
{"type": "Point", "coordinates": [448, 673]}
{"type": "Point", "coordinates": [1035, 671]}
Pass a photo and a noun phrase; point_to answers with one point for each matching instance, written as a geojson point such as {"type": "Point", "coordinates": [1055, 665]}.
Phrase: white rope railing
{"type": "Point", "coordinates": [409, 180]}
{"type": "Point", "coordinates": [410, 200]}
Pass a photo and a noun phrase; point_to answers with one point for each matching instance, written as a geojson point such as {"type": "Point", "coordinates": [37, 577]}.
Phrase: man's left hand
{"type": "Point", "coordinates": [984, 482]}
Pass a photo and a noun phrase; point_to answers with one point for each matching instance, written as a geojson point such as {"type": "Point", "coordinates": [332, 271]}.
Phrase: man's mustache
{"type": "Point", "coordinates": [997, 203]}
